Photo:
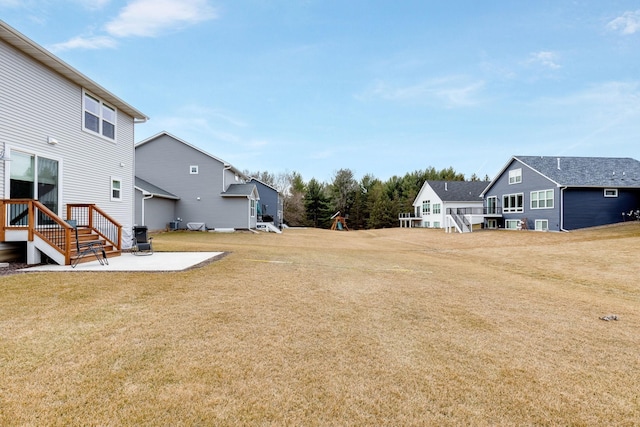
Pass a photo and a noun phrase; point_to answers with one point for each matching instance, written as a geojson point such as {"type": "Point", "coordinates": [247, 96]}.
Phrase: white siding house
{"type": "Point", "coordinates": [447, 204]}
{"type": "Point", "coordinates": [65, 139]}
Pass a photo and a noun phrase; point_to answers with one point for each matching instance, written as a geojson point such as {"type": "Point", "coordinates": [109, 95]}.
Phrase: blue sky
{"type": "Point", "coordinates": [379, 87]}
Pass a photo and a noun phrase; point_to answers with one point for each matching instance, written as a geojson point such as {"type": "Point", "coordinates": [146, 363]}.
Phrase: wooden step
{"type": "Point", "coordinates": [87, 235]}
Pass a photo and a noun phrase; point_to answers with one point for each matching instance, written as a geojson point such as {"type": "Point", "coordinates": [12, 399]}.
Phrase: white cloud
{"type": "Point", "coordinates": [452, 91]}
{"type": "Point", "coordinates": [544, 58]}
{"type": "Point", "coordinates": [97, 42]}
{"type": "Point", "coordinates": [628, 23]}
{"type": "Point", "coordinates": [149, 18]}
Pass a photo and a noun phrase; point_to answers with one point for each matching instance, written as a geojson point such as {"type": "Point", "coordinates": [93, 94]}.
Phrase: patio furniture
{"type": "Point", "coordinates": [142, 244]}
{"type": "Point", "coordinates": [87, 247]}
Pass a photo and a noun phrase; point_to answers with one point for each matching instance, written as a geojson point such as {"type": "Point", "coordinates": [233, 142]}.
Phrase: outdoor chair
{"type": "Point", "coordinates": [87, 247]}
{"type": "Point", "coordinates": [142, 245]}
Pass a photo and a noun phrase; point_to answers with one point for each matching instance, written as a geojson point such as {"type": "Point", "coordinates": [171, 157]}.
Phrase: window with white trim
{"type": "Point", "coordinates": [253, 208]}
{"type": "Point", "coordinates": [512, 224]}
{"type": "Point", "coordinates": [515, 176]}
{"type": "Point", "coordinates": [513, 203]}
{"type": "Point", "coordinates": [426, 207]}
{"type": "Point", "coordinates": [436, 224]}
{"type": "Point", "coordinates": [542, 199]}
{"type": "Point", "coordinates": [193, 169]}
{"type": "Point", "coordinates": [610, 192]}
{"type": "Point", "coordinates": [427, 224]}
{"type": "Point", "coordinates": [436, 208]}
{"type": "Point", "coordinates": [116, 189]}
{"type": "Point", "coordinates": [98, 117]}
{"type": "Point", "coordinates": [542, 225]}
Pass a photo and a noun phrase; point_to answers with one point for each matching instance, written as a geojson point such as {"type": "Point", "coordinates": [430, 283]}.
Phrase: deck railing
{"type": "Point", "coordinates": [408, 215]}
{"type": "Point", "coordinates": [36, 219]}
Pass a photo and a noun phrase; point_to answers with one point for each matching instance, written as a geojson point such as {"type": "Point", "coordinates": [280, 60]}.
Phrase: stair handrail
{"type": "Point", "coordinates": [58, 232]}
{"type": "Point", "coordinates": [91, 216]}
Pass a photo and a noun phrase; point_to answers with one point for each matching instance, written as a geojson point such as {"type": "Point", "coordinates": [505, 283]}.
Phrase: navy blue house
{"type": "Point", "coordinates": [562, 193]}
{"type": "Point", "coordinates": [271, 203]}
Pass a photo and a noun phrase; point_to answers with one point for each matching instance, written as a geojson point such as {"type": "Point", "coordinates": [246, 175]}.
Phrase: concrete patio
{"type": "Point", "coordinates": [158, 261]}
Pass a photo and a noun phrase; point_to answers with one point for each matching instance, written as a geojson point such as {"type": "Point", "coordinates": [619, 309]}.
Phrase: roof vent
{"type": "Point", "coordinates": [558, 163]}
{"type": "Point", "coordinates": [445, 187]}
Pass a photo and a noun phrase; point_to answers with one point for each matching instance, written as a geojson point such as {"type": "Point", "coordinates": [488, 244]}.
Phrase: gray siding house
{"type": "Point", "coordinates": [153, 205]}
{"type": "Point", "coordinates": [202, 188]}
{"type": "Point", "coordinates": [67, 144]}
{"type": "Point", "coordinates": [562, 193]}
{"type": "Point", "coordinates": [271, 207]}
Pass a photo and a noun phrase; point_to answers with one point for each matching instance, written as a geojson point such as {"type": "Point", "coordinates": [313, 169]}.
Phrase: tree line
{"type": "Point", "coordinates": [367, 203]}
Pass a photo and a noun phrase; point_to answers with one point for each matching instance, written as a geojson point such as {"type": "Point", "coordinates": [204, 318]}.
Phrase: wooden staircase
{"type": "Point", "coordinates": [87, 235]}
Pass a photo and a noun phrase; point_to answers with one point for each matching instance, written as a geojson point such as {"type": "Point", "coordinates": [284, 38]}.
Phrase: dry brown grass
{"type": "Point", "coordinates": [312, 327]}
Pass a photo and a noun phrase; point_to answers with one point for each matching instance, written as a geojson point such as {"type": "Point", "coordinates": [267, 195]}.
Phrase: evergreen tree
{"type": "Point", "coordinates": [316, 204]}
{"type": "Point", "coordinates": [342, 191]}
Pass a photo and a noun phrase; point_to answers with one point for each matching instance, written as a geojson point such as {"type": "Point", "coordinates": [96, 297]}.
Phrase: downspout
{"type": "Point", "coordinates": [562, 208]}
{"type": "Point", "coordinates": [144, 197]}
{"type": "Point", "coordinates": [226, 168]}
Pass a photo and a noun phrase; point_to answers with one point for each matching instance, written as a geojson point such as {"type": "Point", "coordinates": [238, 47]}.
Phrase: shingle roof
{"type": "Point", "coordinates": [586, 171]}
{"type": "Point", "coordinates": [152, 189]}
{"type": "Point", "coordinates": [239, 190]}
{"type": "Point", "coordinates": [458, 191]}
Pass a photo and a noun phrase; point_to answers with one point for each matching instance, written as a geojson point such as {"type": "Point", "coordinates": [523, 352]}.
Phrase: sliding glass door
{"type": "Point", "coordinates": [32, 177]}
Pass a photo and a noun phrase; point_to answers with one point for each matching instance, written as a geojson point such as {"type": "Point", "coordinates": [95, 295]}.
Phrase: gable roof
{"type": "Point", "coordinates": [152, 190]}
{"type": "Point", "coordinates": [458, 191]}
{"type": "Point", "coordinates": [30, 48]}
{"type": "Point", "coordinates": [264, 183]}
{"type": "Point", "coordinates": [165, 133]}
{"type": "Point", "coordinates": [616, 172]}
{"type": "Point", "coordinates": [240, 190]}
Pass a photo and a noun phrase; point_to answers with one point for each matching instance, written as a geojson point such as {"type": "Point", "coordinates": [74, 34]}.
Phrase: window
{"type": "Point", "coordinates": [98, 117]}
{"type": "Point", "coordinates": [515, 176]}
{"type": "Point", "coordinates": [33, 177]}
{"type": "Point", "coordinates": [492, 205]}
{"type": "Point", "coordinates": [116, 189]}
{"type": "Point", "coordinates": [426, 207]}
{"type": "Point", "coordinates": [436, 224]}
{"type": "Point", "coordinates": [253, 208]}
{"type": "Point", "coordinates": [512, 224]}
{"type": "Point", "coordinates": [436, 208]}
{"type": "Point", "coordinates": [193, 169]}
{"type": "Point", "coordinates": [542, 199]}
{"type": "Point", "coordinates": [513, 203]}
{"type": "Point", "coordinates": [427, 224]}
{"type": "Point", "coordinates": [542, 224]}
{"type": "Point", "coordinates": [610, 192]}
{"type": "Point", "coordinates": [492, 223]}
